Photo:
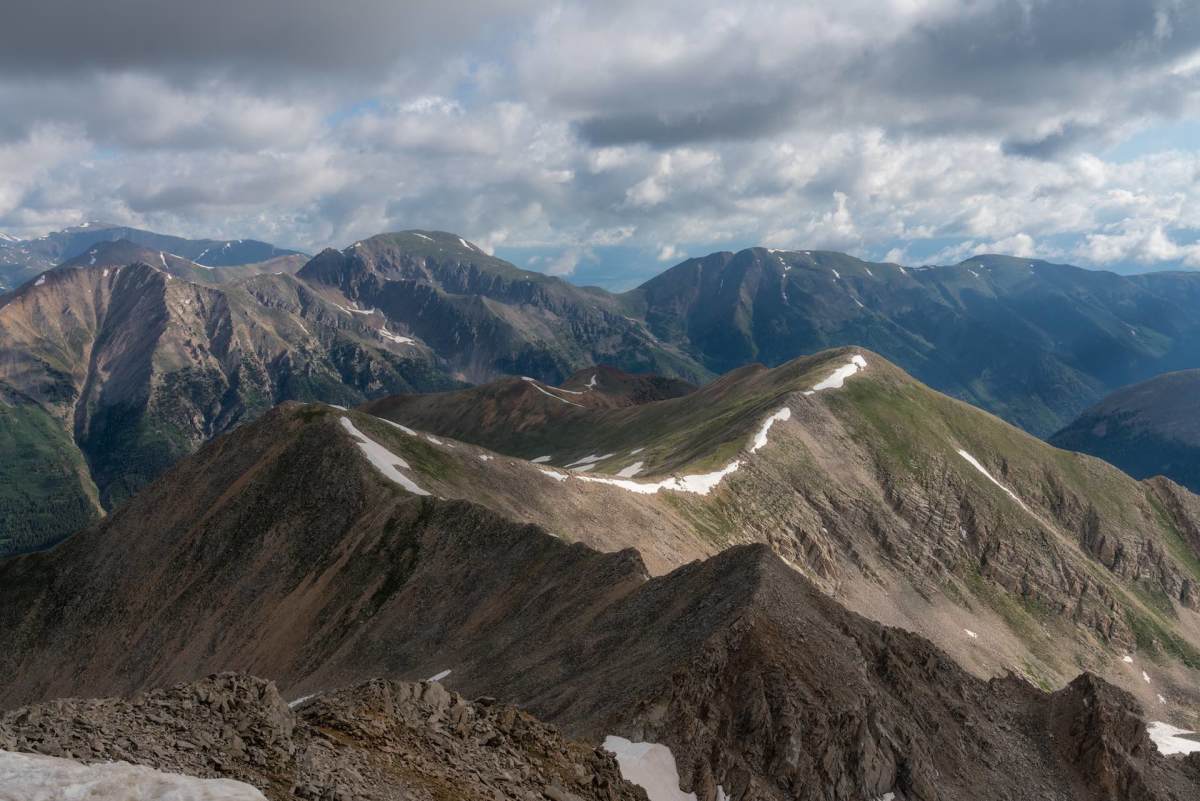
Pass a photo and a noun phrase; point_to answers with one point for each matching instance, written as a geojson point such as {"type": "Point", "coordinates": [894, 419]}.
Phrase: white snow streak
{"type": "Point", "coordinates": [630, 471]}
{"type": "Point", "coordinates": [636, 451]}
{"type": "Point", "coordinates": [395, 338]}
{"type": "Point", "coordinates": [384, 460]}
{"type": "Point", "coordinates": [1145, 677]}
{"type": "Point", "coordinates": [533, 383]}
{"type": "Point", "coordinates": [650, 766]}
{"type": "Point", "coordinates": [439, 676]}
{"type": "Point", "coordinates": [1170, 740]}
{"type": "Point", "coordinates": [839, 376]}
{"type": "Point", "coordinates": [1127, 659]}
{"type": "Point", "coordinates": [975, 463]}
{"type": "Point", "coordinates": [973, 635]}
{"type": "Point", "coordinates": [300, 700]}
{"type": "Point", "coordinates": [541, 459]}
{"type": "Point", "coordinates": [41, 280]}
{"type": "Point", "coordinates": [836, 274]}
{"type": "Point", "coordinates": [423, 236]}
{"type": "Point", "coordinates": [591, 459]}
{"type": "Point", "coordinates": [554, 475]}
{"type": "Point", "coordinates": [592, 382]}
{"type": "Point", "coordinates": [405, 429]}
{"type": "Point", "coordinates": [33, 777]}
{"type": "Point", "coordinates": [760, 439]}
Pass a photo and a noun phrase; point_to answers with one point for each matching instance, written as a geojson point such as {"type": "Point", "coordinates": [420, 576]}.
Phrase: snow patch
{"type": "Point", "coordinates": [395, 338]}
{"type": "Point", "coordinates": [541, 459]}
{"type": "Point", "coordinates": [384, 460]}
{"type": "Point", "coordinates": [975, 463]}
{"type": "Point", "coordinates": [1145, 677]}
{"type": "Point", "coordinates": [405, 429]}
{"type": "Point", "coordinates": [33, 777]}
{"type": "Point", "coordinates": [636, 451]}
{"type": "Point", "coordinates": [630, 471]}
{"type": "Point", "coordinates": [839, 376]}
{"type": "Point", "coordinates": [973, 635]}
{"type": "Point", "coordinates": [300, 700]}
{"type": "Point", "coordinates": [1127, 659]}
{"type": "Point", "coordinates": [582, 468]}
{"type": "Point", "coordinates": [836, 274]}
{"type": "Point", "coordinates": [429, 238]}
{"type": "Point", "coordinates": [650, 766]}
{"type": "Point", "coordinates": [533, 383]}
{"type": "Point", "coordinates": [41, 280]}
{"type": "Point", "coordinates": [554, 475]}
{"type": "Point", "coordinates": [1170, 740]}
{"type": "Point", "coordinates": [438, 676]}
{"type": "Point", "coordinates": [591, 459]}
{"type": "Point", "coordinates": [760, 439]}
{"type": "Point", "coordinates": [591, 384]}
{"type": "Point", "coordinates": [485, 457]}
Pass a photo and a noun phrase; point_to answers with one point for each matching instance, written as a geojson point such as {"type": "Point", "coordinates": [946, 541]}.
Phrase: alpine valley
{"type": "Point", "coordinates": [404, 521]}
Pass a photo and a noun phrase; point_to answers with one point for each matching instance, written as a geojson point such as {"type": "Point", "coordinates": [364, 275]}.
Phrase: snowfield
{"type": "Point", "coordinates": [384, 460]}
{"type": "Point", "coordinates": [839, 376]}
{"type": "Point", "coordinates": [32, 777]}
{"type": "Point", "coordinates": [1170, 740]}
{"type": "Point", "coordinates": [650, 766]}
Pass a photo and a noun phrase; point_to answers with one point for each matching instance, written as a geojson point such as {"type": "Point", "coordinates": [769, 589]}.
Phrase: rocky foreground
{"type": "Point", "coordinates": [380, 740]}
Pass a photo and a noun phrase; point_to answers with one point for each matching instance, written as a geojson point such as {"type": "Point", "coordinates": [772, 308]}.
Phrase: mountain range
{"type": "Point", "coordinates": [404, 521]}
{"type": "Point", "coordinates": [1033, 342]}
{"type": "Point", "coordinates": [694, 603]}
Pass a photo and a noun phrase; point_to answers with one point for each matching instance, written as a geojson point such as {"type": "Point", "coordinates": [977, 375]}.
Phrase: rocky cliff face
{"type": "Point", "coordinates": [377, 741]}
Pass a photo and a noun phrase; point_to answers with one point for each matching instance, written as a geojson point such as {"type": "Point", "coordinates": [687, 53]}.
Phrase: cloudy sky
{"type": "Point", "coordinates": [606, 140]}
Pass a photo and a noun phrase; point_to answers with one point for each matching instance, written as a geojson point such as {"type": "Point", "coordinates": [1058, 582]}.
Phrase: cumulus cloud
{"type": "Point", "coordinates": [913, 130]}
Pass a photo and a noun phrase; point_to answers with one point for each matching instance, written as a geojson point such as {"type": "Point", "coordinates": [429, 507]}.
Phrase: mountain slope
{"type": "Point", "coordinates": [21, 260]}
{"type": "Point", "coordinates": [1148, 429]}
{"type": "Point", "coordinates": [111, 373]}
{"type": "Point", "coordinates": [487, 317]}
{"type": "Point", "coordinates": [1031, 341]}
{"type": "Point", "coordinates": [911, 507]}
{"type": "Point", "coordinates": [291, 556]}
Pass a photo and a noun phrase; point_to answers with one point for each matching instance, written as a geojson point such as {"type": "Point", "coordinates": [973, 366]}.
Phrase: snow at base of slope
{"type": "Point", "coordinates": [1170, 740]}
{"type": "Point", "coordinates": [701, 484]}
{"type": "Point", "coordinates": [975, 463]}
{"type": "Point", "coordinates": [384, 460]}
{"type": "Point", "coordinates": [630, 471]}
{"type": "Point", "coordinates": [650, 766]}
{"type": "Point", "coordinates": [33, 777]}
{"type": "Point", "coordinates": [839, 376]}
{"type": "Point", "coordinates": [541, 459]}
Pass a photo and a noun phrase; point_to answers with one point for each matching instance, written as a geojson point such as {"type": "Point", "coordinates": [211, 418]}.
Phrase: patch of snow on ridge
{"type": "Point", "coordinates": [439, 676]}
{"type": "Point", "coordinates": [1170, 740]}
{"type": "Point", "coordinates": [592, 382]}
{"type": "Point", "coordinates": [384, 460]}
{"type": "Point", "coordinates": [701, 484]}
{"type": "Point", "coordinates": [839, 376]}
{"type": "Point", "coordinates": [533, 383]}
{"type": "Point", "coordinates": [630, 471]}
{"type": "Point", "coordinates": [41, 280]}
{"type": "Point", "coordinates": [394, 424]}
{"type": "Point", "coordinates": [541, 459]}
{"type": "Point", "coordinates": [650, 766]}
{"type": "Point", "coordinates": [33, 777]}
{"type": "Point", "coordinates": [423, 236]}
{"type": "Point", "coordinates": [975, 463]}
{"type": "Point", "coordinates": [760, 439]}
{"type": "Point", "coordinates": [554, 475]}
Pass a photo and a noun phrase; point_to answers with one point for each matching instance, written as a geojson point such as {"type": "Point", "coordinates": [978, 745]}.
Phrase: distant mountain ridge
{"type": "Point", "coordinates": [21, 259]}
{"type": "Point", "coordinates": [1148, 429]}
